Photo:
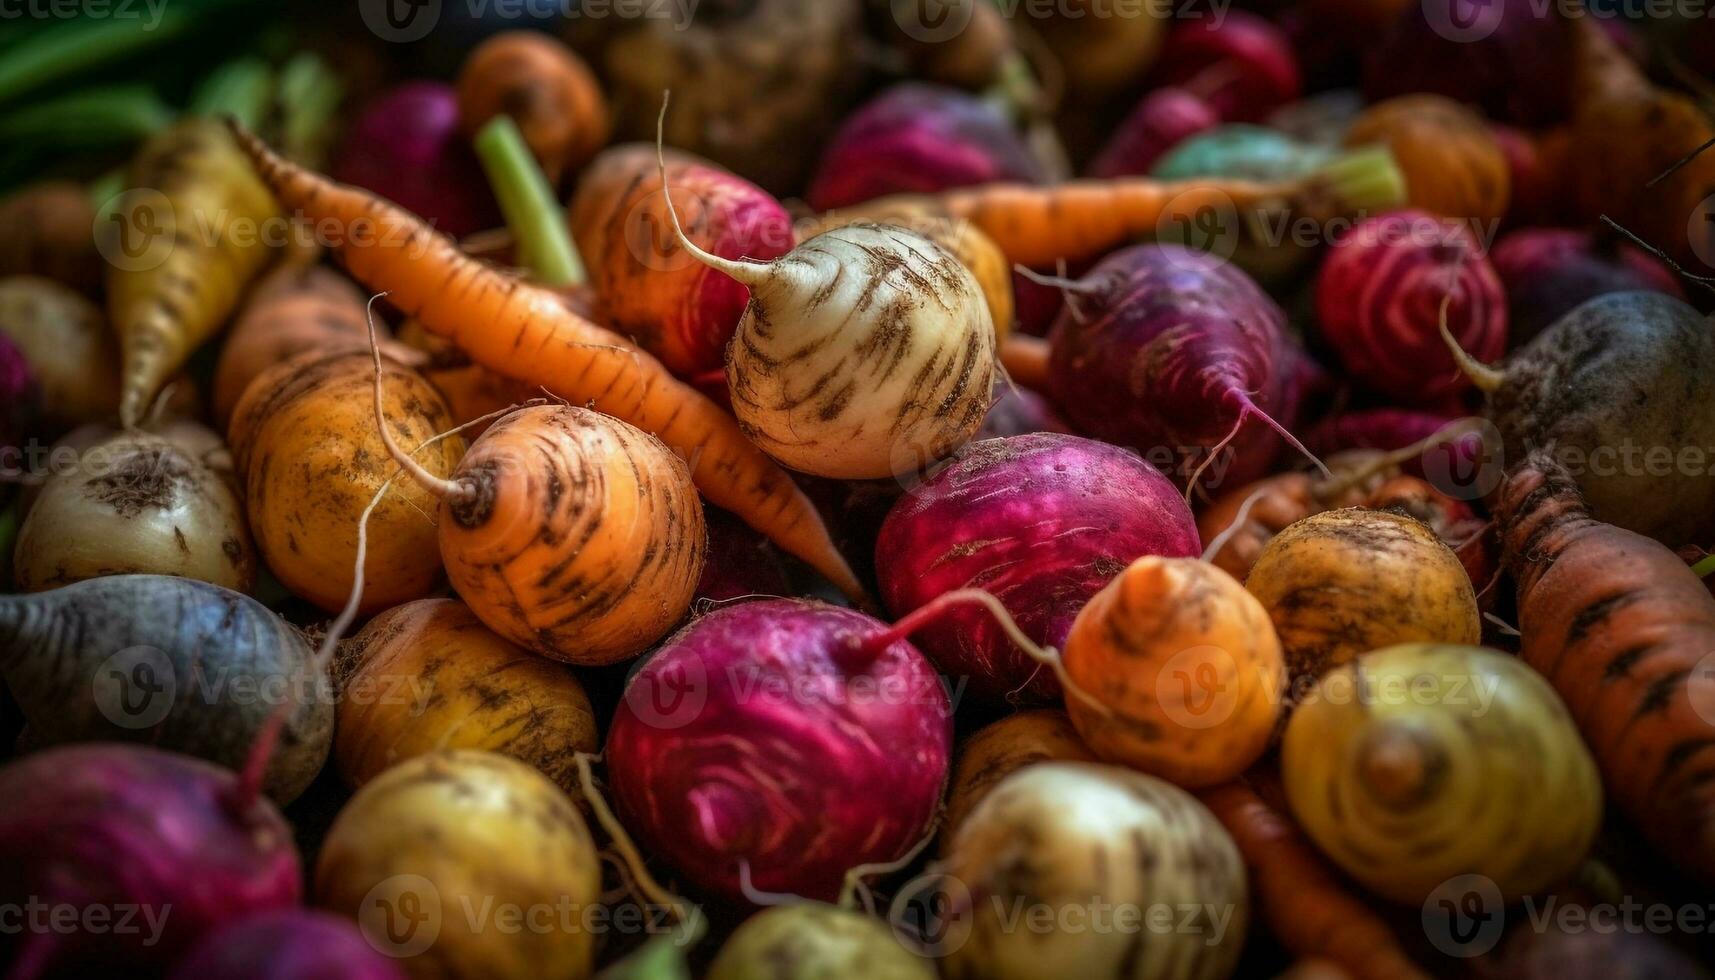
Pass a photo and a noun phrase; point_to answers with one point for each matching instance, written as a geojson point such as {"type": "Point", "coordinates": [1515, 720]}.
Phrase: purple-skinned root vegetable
{"type": "Point", "coordinates": [1548, 271]}
{"type": "Point", "coordinates": [286, 944]}
{"type": "Point", "coordinates": [1241, 64]}
{"type": "Point", "coordinates": [406, 145]}
{"type": "Point", "coordinates": [772, 746]}
{"type": "Point", "coordinates": [1041, 522]}
{"type": "Point", "coordinates": [173, 662]}
{"type": "Point", "coordinates": [1383, 290]}
{"type": "Point", "coordinates": [1159, 122]}
{"type": "Point", "coordinates": [1181, 357]}
{"type": "Point", "coordinates": [920, 139]}
{"type": "Point", "coordinates": [188, 845]}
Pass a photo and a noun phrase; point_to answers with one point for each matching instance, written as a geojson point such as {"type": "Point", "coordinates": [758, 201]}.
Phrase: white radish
{"type": "Point", "coordinates": [866, 351]}
{"type": "Point", "coordinates": [1076, 869]}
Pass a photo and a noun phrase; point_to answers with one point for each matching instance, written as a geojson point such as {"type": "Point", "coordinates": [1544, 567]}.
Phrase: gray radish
{"type": "Point", "coordinates": [172, 662]}
{"type": "Point", "coordinates": [1621, 390]}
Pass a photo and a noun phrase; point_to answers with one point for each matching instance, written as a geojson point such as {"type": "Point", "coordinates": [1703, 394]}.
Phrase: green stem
{"type": "Point", "coordinates": [309, 98]}
{"type": "Point", "coordinates": [537, 221]}
{"type": "Point", "coordinates": [243, 88]}
{"type": "Point", "coordinates": [91, 117]}
{"type": "Point", "coordinates": [1706, 567]}
{"type": "Point", "coordinates": [62, 52]}
{"type": "Point", "coordinates": [104, 191]}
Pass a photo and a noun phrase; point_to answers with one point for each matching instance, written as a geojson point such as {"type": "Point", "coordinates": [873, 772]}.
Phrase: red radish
{"type": "Point", "coordinates": [1161, 120]}
{"type": "Point", "coordinates": [1170, 351]}
{"type": "Point", "coordinates": [1041, 522]}
{"type": "Point", "coordinates": [917, 138]}
{"type": "Point", "coordinates": [1548, 271]}
{"type": "Point", "coordinates": [774, 745]}
{"type": "Point", "coordinates": [1241, 63]}
{"type": "Point", "coordinates": [1381, 295]}
{"type": "Point", "coordinates": [406, 146]}
{"type": "Point", "coordinates": [651, 289]}
{"type": "Point", "coordinates": [287, 944]}
{"type": "Point", "coordinates": [103, 827]}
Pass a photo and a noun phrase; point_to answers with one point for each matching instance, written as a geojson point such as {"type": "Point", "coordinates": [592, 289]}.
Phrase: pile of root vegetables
{"type": "Point", "coordinates": [791, 493]}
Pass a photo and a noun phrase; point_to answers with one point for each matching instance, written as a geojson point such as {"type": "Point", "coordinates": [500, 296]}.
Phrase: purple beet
{"type": "Point", "coordinates": [1549, 271]}
{"type": "Point", "coordinates": [405, 145]}
{"type": "Point", "coordinates": [287, 944]}
{"type": "Point", "coordinates": [101, 828]}
{"type": "Point", "coordinates": [790, 738]}
{"type": "Point", "coordinates": [1180, 356]}
{"type": "Point", "coordinates": [1511, 57]}
{"type": "Point", "coordinates": [1241, 64]}
{"type": "Point", "coordinates": [1042, 522]}
{"type": "Point", "coordinates": [1162, 120]}
{"type": "Point", "coordinates": [916, 138]}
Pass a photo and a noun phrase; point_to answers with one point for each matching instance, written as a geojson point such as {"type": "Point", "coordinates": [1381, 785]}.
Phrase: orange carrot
{"type": "Point", "coordinates": [48, 231]}
{"type": "Point", "coordinates": [292, 309]}
{"type": "Point", "coordinates": [527, 333]}
{"type": "Point", "coordinates": [1309, 909]}
{"type": "Point", "coordinates": [1026, 361]}
{"type": "Point", "coordinates": [1083, 219]}
{"type": "Point", "coordinates": [546, 88]}
{"type": "Point", "coordinates": [1452, 164]}
{"type": "Point", "coordinates": [1638, 133]}
{"type": "Point", "coordinates": [1624, 631]}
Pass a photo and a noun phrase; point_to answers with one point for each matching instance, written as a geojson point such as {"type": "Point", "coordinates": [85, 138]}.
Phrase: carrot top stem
{"type": "Point", "coordinates": [537, 221]}
{"type": "Point", "coordinates": [1706, 567]}
{"type": "Point", "coordinates": [242, 88]}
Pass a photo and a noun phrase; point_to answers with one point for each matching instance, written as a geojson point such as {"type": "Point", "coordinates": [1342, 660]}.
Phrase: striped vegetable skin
{"type": "Point", "coordinates": [1624, 631]}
